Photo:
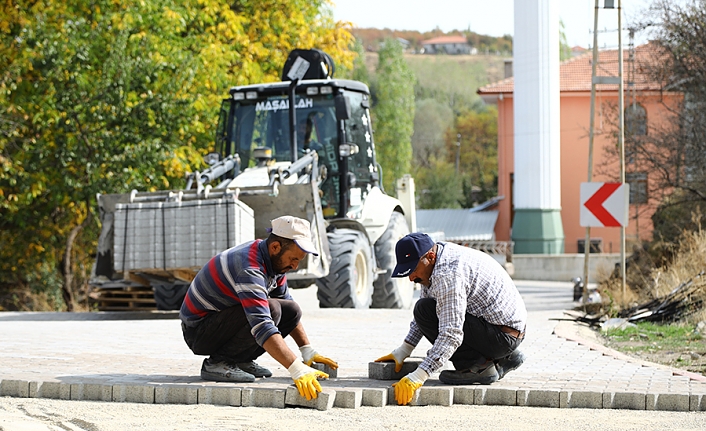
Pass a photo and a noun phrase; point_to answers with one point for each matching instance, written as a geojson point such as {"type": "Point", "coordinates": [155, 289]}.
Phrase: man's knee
{"type": "Point", "coordinates": [284, 310]}
{"type": "Point", "coordinates": [425, 309]}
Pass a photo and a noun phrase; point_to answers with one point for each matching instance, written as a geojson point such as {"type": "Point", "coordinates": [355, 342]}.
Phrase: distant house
{"type": "Point", "coordinates": [578, 50]}
{"type": "Point", "coordinates": [453, 45]}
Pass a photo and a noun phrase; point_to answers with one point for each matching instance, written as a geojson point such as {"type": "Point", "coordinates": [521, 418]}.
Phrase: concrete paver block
{"type": "Point", "coordinates": [323, 401]}
{"type": "Point", "coordinates": [495, 397]}
{"type": "Point", "coordinates": [332, 374]}
{"type": "Point", "coordinates": [697, 403]}
{"type": "Point", "coordinates": [14, 388]}
{"type": "Point", "coordinates": [175, 395]}
{"type": "Point", "coordinates": [133, 394]}
{"type": "Point", "coordinates": [219, 396]}
{"type": "Point", "coordinates": [464, 395]}
{"type": "Point", "coordinates": [669, 402]}
{"type": "Point", "coordinates": [263, 397]}
{"type": "Point", "coordinates": [624, 400]}
{"type": "Point", "coordinates": [581, 399]}
{"type": "Point", "coordinates": [91, 392]}
{"type": "Point", "coordinates": [386, 370]}
{"type": "Point", "coordinates": [348, 398]}
{"type": "Point", "coordinates": [374, 397]}
{"type": "Point", "coordinates": [393, 401]}
{"type": "Point", "coordinates": [538, 398]}
{"type": "Point", "coordinates": [433, 396]}
{"type": "Point", "coordinates": [53, 390]}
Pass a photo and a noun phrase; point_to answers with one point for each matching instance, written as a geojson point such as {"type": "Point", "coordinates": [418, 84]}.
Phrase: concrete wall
{"type": "Point", "coordinates": [562, 267]}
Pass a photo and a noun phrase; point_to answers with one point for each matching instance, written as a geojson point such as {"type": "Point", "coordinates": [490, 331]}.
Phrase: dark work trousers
{"type": "Point", "coordinates": [481, 340]}
{"type": "Point", "coordinates": [226, 336]}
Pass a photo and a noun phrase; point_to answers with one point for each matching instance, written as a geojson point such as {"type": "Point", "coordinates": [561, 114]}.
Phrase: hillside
{"type": "Point", "coordinates": [371, 38]}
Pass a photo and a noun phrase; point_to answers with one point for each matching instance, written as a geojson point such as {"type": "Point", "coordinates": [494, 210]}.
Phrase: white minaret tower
{"type": "Point", "coordinates": [537, 227]}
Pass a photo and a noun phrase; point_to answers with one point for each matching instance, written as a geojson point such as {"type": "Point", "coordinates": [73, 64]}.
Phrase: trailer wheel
{"type": "Point", "coordinates": [391, 292]}
{"type": "Point", "coordinates": [349, 281]}
{"type": "Point", "coordinates": [169, 296]}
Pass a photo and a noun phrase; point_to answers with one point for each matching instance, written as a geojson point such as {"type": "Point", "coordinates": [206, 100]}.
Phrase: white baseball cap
{"type": "Point", "coordinates": [296, 229]}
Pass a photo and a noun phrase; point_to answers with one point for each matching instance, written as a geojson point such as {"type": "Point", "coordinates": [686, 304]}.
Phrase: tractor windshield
{"type": "Point", "coordinates": [264, 122]}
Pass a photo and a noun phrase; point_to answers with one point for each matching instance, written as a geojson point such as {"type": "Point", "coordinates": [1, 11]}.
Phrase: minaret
{"type": "Point", "coordinates": [537, 227]}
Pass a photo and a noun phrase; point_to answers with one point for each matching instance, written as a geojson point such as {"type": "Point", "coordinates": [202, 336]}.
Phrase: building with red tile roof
{"type": "Point", "coordinates": [642, 94]}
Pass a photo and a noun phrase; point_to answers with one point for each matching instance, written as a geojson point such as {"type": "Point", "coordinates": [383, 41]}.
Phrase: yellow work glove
{"type": "Point", "coordinates": [405, 388]}
{"type": "Point", "coordinates": [398, 355]}
{"type": "Point", "coordinates": [309, 355]}
{"type": "Point", "coordinates": [305, 379]}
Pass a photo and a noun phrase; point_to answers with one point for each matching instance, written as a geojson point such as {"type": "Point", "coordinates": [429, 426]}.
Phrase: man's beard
{"type": "Point", "coordinates": [277, 264]}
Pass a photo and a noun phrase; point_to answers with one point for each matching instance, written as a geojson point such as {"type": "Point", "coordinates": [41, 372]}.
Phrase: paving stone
{"type": "Point", "coordinates": [332, 374]}
{"type": "Point", "coordinates": [624, 400]}
{"type": "Point", "coordinates": [263, 397]}
{"type": "Point", "coordinates": [433, 396]}
{"type": "Point", "coordinates": [581, 399]}
{"type": "Point", "coordinates": [464, 395]}
{"type": "Point", "coordinates": [538, 398]}
{"type": "Point", "coordinates": [386, 370]}
{"type": "Point", "coordinates": [226, 396]}
{"type": "Point", "coordinates": [697, 403]}
{"type": "Point", "coordinates": [393, 400]}
{"type": "Point", "coordinates": [172, 394]}
{"type": "Point", "coordinates": [348, 398]}
{"type": "Point", "coordinates": [670, 402]}
{"type": "Point", "coordinates": [14, 388]}
{"type": "Point", "coordinates": [133, 394]}
{"type": "Point", "coordinates": [53, 390]}
{"type": "Point", "coordinates": [495, 397]}
{"type": "Point", "coordinates": [374, 397]}
{"type": "Point", "coordinates": [91, 392]}
{"type": "Point", "coordinates": [323, 401]}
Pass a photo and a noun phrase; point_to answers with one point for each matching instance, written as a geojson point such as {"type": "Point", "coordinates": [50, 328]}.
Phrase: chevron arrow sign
{"type": "Point", "coordinates": [604, 204]}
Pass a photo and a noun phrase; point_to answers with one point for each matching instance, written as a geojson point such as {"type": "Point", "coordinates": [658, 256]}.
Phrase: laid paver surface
{"type": "Point", "coordinates": [130, 349]}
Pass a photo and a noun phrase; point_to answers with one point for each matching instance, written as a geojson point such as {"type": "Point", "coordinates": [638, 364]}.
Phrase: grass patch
{"type": "Point", "coordinates": [676, 344]}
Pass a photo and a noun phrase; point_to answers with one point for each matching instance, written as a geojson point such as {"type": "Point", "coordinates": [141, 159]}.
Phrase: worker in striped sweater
{"type": "Point", "coordinates": [238, 307]}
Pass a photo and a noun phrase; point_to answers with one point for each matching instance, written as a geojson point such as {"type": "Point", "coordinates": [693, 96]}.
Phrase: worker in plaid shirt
{"type": "Point", "coordinates": [469, 309]}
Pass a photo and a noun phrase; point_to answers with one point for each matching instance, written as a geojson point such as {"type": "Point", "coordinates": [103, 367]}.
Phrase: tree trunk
{"type": "Point", "coordinates": [68, 288]}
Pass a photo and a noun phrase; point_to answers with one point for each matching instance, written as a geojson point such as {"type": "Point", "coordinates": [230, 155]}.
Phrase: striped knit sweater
{"type": "Point", "coordinates": [242, 275]}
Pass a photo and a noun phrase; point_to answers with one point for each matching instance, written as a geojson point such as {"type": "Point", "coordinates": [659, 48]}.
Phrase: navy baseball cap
{"type": "Point", "coordinates": [409, 250]}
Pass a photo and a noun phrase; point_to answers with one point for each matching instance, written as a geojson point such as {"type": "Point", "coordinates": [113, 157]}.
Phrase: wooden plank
{"type": "Point", "coordinates": [184, 275]}
{"type": "Point", "coordinates": [135, 278]}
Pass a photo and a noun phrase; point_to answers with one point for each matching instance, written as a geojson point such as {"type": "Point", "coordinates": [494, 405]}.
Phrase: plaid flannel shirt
{"type": "Point", "coordinates": [463, 281]}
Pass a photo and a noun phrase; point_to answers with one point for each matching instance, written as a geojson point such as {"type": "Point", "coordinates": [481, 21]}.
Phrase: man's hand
{"type": "Point", "coordinates": [309, 355]}
{"type": "Point", "coordinates": [405, 388]}
{"type": "Point", "coordinates": [305, 379]}
{"type": "Point", "coordinates": [398, 355]}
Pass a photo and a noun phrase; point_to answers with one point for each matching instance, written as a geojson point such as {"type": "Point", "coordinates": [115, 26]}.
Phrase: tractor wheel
{"type": "Point", "coordinates": [349, 281]}
{"type": "Point", "coordinates": [169, 296]}
{"type": "Point", "coordinates": [391, 292]}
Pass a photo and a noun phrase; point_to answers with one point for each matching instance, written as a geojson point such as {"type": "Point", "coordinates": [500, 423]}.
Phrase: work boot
{"type": "Point", "coordinates": [484, 374]}
{"type": "Point", "coordinates": [254, 369]}
{"type": "Point", "coordinates": [509, 363]}
{"type": "Point", "coordinates": [224, 372]}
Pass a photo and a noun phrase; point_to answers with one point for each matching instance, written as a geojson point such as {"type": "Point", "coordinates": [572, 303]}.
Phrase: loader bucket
{"type": "Point", "coordinates": [298, 200]}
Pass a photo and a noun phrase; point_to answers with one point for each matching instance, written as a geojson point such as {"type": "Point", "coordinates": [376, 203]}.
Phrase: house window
{"type": "Point", "coordinates": [635, 120]}
{"type": "Point", "coordinates": [638, 187]}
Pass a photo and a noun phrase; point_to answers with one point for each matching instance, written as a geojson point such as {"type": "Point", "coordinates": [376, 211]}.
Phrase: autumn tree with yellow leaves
{"type": "Point", "coordinates": [105, 96]}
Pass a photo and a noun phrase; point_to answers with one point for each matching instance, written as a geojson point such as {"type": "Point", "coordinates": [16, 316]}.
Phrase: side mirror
{"type": "Point", "coordinates": [343, 107]}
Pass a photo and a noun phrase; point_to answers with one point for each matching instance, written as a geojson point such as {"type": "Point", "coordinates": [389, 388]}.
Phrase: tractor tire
{"type": "Point", "coordinates": [169, 296]}
{"type": "Point", "coordinates": [349, 283]}
{"type": "Point", "coordinates": [391, 292]}
{"type": "Point", "coordinates": [300, 284]}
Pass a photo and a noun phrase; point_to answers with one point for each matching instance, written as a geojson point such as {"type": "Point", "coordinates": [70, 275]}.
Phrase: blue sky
{"type": "Point", "coordinates": [490, 17]}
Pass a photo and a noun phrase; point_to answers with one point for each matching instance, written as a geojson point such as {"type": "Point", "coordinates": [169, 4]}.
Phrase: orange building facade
{"type": "Point", "coordinates": [646, 108]}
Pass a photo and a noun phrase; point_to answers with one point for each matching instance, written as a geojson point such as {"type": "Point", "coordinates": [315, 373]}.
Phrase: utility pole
{"type": "Point", "coordinates": [458, 152]}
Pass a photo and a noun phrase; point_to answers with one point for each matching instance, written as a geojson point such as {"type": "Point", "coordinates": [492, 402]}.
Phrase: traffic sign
{"type": "Point", "coordinates": [604, 204]}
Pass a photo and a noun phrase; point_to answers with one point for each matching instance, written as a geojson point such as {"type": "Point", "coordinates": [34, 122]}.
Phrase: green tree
{"type": "Point", "coordinates": [104, 97]}
{"type": "Point", "coordinates": [477, 133]}
{"type": "Point", "coordinates": [564, 48]}
{"type": "Point", "coordinates": [438, 185]}
{"type": "Point", "coordinates": [393, 113]}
